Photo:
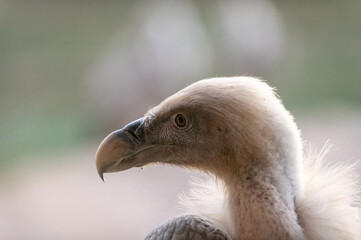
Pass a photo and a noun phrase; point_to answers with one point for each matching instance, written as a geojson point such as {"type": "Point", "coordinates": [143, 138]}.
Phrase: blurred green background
{"type": "Point", "coordinates": [72, 71]}
{"type": "Point", "coordinates": [47, 47]}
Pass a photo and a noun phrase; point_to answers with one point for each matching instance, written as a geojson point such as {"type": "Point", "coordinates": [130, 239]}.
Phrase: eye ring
{"type": "Point", "coordinates": [180, 121]}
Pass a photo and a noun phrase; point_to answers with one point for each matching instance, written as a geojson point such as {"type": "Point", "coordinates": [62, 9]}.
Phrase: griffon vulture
{"type": "Point", "coordinates": [237, 130]}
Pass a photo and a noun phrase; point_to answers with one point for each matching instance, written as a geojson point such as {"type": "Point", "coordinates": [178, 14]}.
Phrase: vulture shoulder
{"type": "Point", "coordinates": [187, 227]}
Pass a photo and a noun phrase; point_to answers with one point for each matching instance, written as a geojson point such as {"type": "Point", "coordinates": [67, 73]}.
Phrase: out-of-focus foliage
{"type": "Point", "coordinates": [45, 47]}
{"type": "Point", "coordinates": [323, 57]}
{"type": "Point", "coordinates": [53, 84]}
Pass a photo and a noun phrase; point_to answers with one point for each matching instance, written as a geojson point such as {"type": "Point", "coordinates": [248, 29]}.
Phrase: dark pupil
{"type": "Point", "coordinates": [180, 121]}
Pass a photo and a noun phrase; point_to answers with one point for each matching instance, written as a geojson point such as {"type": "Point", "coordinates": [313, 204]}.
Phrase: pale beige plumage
{"type": "Point", "coordinates": [237, 130]}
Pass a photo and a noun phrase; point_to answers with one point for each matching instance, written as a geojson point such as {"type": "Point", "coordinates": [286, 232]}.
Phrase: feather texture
{"type": "Point", "coordinates": [187, 227]}
{"type": "Point", "coordinates": [330, 206]}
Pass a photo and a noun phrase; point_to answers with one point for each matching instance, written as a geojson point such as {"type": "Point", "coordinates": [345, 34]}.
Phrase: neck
{"type": "Point", "coordinates": [263, 180]}
{"type": "Point", "coordinates": [259, 212]}
{"type": "Point", "coordinates": [261, 197]}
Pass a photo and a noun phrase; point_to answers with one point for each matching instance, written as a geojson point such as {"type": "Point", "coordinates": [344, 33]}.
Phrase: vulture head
{"type": "Point", "coordinates": [235, 129]}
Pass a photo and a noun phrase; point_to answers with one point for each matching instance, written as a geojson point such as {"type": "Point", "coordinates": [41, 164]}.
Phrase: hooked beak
{"type": "Point", "coordinates": [117, 151]}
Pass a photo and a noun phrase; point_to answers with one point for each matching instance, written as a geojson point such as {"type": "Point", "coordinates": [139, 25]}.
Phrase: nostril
{"type": "Point", "coordinates": [134, 127]}
{"type": "Point", "coordinates": [132, 136]}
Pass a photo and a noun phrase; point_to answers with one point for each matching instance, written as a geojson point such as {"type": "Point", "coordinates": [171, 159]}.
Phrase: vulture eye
{"type": "Point", "coordinates": [180, 120]}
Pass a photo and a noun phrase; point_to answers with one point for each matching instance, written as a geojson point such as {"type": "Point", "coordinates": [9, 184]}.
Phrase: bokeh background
{"type": "Point", "coordinates": [73, 71]}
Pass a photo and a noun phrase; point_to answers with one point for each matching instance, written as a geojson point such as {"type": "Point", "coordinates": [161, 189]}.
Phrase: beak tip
{"type": "Point", "coordinates": [101, 174]}
{"type": "Point", "coordinates": [102, 177]}
{"type": "Point", "coordinates": [99, 165]}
